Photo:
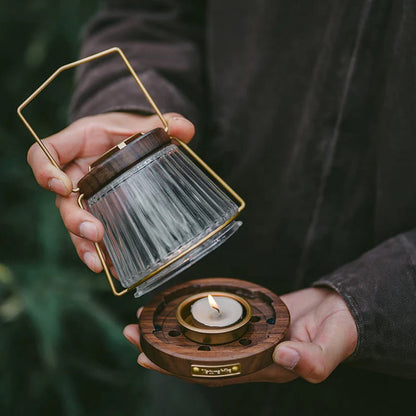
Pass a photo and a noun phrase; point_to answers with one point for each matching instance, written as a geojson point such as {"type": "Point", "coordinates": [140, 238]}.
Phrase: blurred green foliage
{"type": "Point", "coordinates": [61, 346]}
{"type": "Point", "coordinates": [62, 351]}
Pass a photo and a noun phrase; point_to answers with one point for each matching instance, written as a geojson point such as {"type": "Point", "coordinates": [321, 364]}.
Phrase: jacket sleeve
{"type": "Point", "coordinates": [380, 291]}
{"type": "Point", "coordinates": [380, 286]}
{"type": "Point", "coordinates": [162, 40]}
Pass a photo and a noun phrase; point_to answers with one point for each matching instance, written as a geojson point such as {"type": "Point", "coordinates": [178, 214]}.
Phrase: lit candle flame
{"type": "Point", "coordinates": [213, 304]}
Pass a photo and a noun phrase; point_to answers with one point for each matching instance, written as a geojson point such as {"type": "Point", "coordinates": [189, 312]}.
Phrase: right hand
{"type": "Point", "coordinates": [74, 149]}
{"type": "Point", "coordinates": [321, 335]}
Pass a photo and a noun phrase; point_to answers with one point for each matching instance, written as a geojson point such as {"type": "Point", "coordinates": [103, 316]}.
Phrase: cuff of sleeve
{"type": "Point", "coordinates": [352, 306]}
{"type": "Point", "coordinates": [379, 290]}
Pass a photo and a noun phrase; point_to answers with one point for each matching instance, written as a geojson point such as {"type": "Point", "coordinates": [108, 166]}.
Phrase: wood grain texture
{"type": "Point", "coordinates": [164, 344]}
{"type": "Point", "coordinates": [118, 160]}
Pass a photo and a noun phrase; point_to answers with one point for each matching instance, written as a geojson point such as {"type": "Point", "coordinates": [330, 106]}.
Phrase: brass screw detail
{"type": "Point", "coordinates": [235, 369]}
{"type": "Point", "coordinates": [195, 370]}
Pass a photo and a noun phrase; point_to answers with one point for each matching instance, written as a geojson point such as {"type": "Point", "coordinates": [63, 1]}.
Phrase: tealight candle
{"type": "Point", "coordinates": [225, 320]}
{"type": "Point", "coordinates": [220, 311]}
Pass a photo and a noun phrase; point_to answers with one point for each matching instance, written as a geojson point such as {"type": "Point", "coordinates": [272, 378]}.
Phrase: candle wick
{"type": "Point", "coordinates": [213, 304]}
{"type": "Point", "coordinates": [216, 308]}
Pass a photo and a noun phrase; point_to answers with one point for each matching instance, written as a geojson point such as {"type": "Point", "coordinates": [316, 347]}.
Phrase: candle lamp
{"type": "Point", "coordinates": [183, 334]}
{"type": "Point", "coordinates": [163, 208]}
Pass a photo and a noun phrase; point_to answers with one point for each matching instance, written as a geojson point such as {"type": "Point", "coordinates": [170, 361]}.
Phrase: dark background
{"type": "Point", "coordinates": [61, 346]}
{"type": "Point", "coordinates": [62, 351]}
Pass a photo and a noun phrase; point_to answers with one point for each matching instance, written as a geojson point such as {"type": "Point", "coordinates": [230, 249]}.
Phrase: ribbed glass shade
{"type": "Point", "coordinates": [157, 209]}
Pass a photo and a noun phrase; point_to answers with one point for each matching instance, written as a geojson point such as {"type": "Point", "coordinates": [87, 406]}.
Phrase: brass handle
{"type": "Point", "coordinates": [166, 127]}
{"type": "Point", "coordinates": [73, 65]}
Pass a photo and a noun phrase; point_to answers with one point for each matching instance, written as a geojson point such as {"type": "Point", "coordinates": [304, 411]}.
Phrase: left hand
{"type": "Point", "coordinates": [321, 335]}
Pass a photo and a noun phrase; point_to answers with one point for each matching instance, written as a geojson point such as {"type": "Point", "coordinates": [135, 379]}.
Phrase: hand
{"type": "Point", "coordinates": [74, 149]}
{"type": "Point", "coordinates": [322, 334]}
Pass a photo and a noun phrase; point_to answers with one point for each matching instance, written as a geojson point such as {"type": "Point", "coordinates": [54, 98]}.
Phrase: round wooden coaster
{"type": "Point", "coordinates": [165, 345]}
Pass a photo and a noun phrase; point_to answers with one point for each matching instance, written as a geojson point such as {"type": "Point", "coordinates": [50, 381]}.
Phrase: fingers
{"type": "Point", "coordinates": [267, 376]}
{"type": "Point", "coordinates": [47, 175]}
{"type": "Point", "coordinates": [91, 137]}
{"type": "Point", "coordinates": [129, 123]}
{"type": "Point", "coordinates": [273, 373]}
{"type": "Point", "coordinates": [84, 229]}
{"type": "Point", "coordinates": [323, 336]}
{"type": "Point", "coordinates": [139, 312]}
{"type": "Point", "coordinates": [308, 360]}
{"type": "Point", "coordinates": [146, 363]}
{"type": "Point", "coordinates": [74, 149]}
{"type": "Point", "coordinates": [59, 146]}
{"type": "Point", "coordinates": [180, 127]}
{"type": "Point", "coordinates": [132, 334]}
{"type": "Point", "coordinates": [314, 361]}
{"type": "Point", "coordinates": [79, 221]}
{"type": "Point", "coordinates": [270, 374]}
{"type": "Point", "coordinates": [87, 253]}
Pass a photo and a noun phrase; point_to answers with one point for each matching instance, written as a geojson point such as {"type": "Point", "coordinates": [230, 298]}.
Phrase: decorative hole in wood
{"type": "Point", "coordinates": [204, 348]}
{"type": "Point", "coordinates": [179, 355]}
{"type": "Point", "coordinates": [157, 328]}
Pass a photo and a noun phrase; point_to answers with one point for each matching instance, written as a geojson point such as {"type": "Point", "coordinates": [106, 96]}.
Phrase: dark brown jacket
{"type": "Point", "coordinates": [308, 110]}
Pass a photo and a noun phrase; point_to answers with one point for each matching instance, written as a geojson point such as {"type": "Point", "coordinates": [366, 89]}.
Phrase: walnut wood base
{"type": "Point", "coordinates": [164, 344]}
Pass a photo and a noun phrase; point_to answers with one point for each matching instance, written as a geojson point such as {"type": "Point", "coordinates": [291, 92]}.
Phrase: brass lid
{"type": "Point", "coordinates": [120, 158]}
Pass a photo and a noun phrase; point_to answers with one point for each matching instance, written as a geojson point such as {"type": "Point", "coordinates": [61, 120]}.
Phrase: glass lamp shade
{"type": "Point", "coordinates": [155, 208]}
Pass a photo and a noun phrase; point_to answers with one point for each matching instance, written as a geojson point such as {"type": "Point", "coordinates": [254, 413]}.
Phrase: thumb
{"type": "Point", "coordinates": [311, 361]}
{"type": "Point", "coordinates": [180, 127]}
{"type": "Point", "coordinates": [334, 338]}
{"type": "Point", "coordinates": [306, 359]}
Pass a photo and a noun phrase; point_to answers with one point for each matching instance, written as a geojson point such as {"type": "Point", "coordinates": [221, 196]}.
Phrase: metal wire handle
{"type": "Point", "coordinates": [166, 127]}
{"type": "Point", "coordinates": [73, 65]}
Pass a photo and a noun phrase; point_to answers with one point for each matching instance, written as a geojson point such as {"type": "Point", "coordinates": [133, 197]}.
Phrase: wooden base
{"type": "Point", "coordinates": [164, 344]}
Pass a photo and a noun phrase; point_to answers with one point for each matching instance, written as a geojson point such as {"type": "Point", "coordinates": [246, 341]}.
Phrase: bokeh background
{"type": "Point", "coordinates": [62, 351]}
{"type": "Point", "coordinates": [61, 346]}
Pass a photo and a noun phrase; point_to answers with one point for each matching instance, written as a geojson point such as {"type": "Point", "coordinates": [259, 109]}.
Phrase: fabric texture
{"type": "Point", "coordinates": [306, 109]}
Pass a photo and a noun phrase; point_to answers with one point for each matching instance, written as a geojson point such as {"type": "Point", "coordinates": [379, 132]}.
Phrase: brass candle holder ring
{"type": "Point", "coordinates": [204, 334]}
{"type": "Point", "coordinates": [176, 343]}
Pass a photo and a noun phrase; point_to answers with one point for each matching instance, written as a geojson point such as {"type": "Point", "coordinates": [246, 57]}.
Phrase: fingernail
{"type": "Point", "coordinates": [183, 119]}
{"type": "Point", "coordinates": [286, 357]}
{"type": "Point", "coordinates": [130, 339]}
{"type": "Point", "coordinates": [88, 230]}
{"type": "Point", "coordinates": [141, 363]}
{"type": "Point", "coordinates": [92, 261]}
{"type": "Point", "coordinates": [57, 186]}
